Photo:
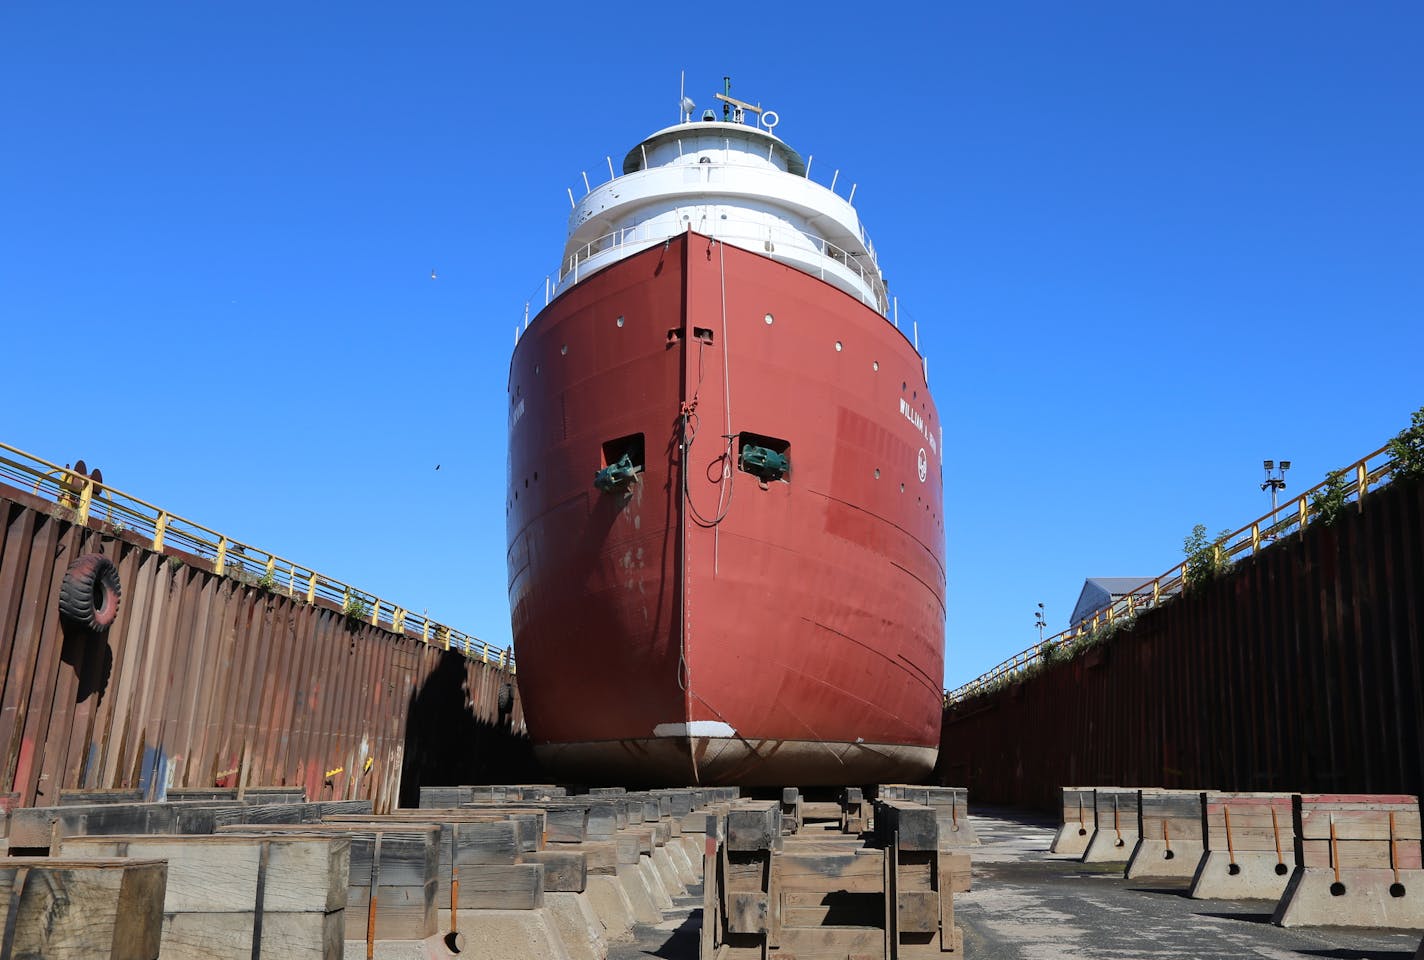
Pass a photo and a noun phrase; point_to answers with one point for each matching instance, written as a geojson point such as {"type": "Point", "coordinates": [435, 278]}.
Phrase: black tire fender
{"type": "Point", "coordinates": [91, 592]}
{"type": "Point", "coordinates": [506, 697]}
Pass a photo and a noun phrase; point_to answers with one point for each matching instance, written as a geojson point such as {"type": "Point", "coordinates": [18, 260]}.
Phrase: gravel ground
{"type": "Point", "coordinates": [1028, 904]}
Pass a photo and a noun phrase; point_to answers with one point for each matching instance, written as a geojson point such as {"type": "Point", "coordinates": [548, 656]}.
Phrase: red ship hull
{"type": "Point", "coordinates": [708, 627]}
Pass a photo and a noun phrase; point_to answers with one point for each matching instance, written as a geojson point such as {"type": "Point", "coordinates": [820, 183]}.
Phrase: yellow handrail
{"type": "Point", "coordinates": [167, 532]}
{"type": "Point", "coordinates": [1291, 517]}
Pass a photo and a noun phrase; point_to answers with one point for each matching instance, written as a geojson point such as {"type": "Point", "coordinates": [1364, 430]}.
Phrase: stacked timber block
{"type": "Point", "coordinates": [1115, 836]}
{"type": "Point", "coordinates": [1080, 820]}
{"type": "Point", "coordinates": [1248, 842]}
{"type": "Point", "coordinates": [920, 887]}
{"type": "Point", "coordinates": [241, 897]}
{"type": "Point", "coordinates": [855, 811]}
{"type": "Point", "coordinates": [1357, 862]}
{"type": "Point", "coordinates": [818, 894]}
{"type": "Point", "coordinates": [62, 909]}
{"type": "Point", "coordinates": [951, 806]}
{"type": "Point", "coordinates": [1169, 835]}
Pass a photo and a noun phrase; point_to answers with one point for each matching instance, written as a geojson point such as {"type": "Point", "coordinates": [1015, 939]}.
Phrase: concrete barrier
{"type": "Point", "coordinates": [1357, 863]}
{"type": "Point", "coordinates": [1115, 810]}
{"type": "Point", "coordinates": [1249, 844]}
{"type": "Point", "coordinates": [1079, 822]}
{"type": "Point", "coordinates": [1169, 835]}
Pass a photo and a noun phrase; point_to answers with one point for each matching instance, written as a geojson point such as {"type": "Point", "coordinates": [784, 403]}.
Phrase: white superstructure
{"type": "Point", "coordinates": [736, 182]}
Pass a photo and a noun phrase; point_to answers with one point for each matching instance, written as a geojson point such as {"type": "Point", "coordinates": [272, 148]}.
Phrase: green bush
{"type": "Point", "coordinates": [1407, 448]}
{"type": "Point", "coordinates": [1329, 501]}
{"type": "Point", "coordinates": [1206, 559]}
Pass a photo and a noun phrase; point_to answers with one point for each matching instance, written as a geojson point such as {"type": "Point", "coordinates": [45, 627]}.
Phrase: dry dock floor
{"type": "Point", "coordinates": [1028, 904]}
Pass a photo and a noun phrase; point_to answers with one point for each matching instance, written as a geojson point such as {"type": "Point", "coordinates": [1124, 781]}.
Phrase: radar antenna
{"type": "Point", "coordinates": [732, 108]}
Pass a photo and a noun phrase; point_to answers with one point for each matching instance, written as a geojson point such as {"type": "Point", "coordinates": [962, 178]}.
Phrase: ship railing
{"type": "Point", "coordinates": [1342, 488]}
{"type": "Point", "coordinates": [868, 276]}
{"type": "Point", "coordinates": [89, 502]}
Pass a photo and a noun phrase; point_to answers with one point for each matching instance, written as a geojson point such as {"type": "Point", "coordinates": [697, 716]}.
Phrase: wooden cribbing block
{"type": "Point", "coordinates": [907, 826]}
{"type": "Point", "coordinates": [1169, 835]}
{"type": "Point", "coordinates": [565, 871]}
{"type": "Point", "coordinates": [529, 824]}
{"type": "Point", "coordinates": [1115, 809]}
{"type": "Point", "coordinates": [1079, 821]}
{"type": "Point", "coordinates": [259, 795]}
{"type": "Point", "coordinates": [753, 825]}
{"type": "Point", "coordinates": [517, 886]}
{"type": "Point", "coordinates": [562, 824]}
{"type": "Point", "coordinates": [600, 856]}
{"type": "Point", "coordinates": [957, 868]}
{"type": "Point", "coordinates": [238, 897]}
{"type": "Point", "coordinates": [36, 827]}
{"type": "Point", "coordinates": [1249, 843]}
{"type": "Point", "coordinates": [65, 909]}
{"type": "Point", "coordinates": [1357, 862]}
{"type": "Point", "coordinates": [436, 797]}
{"type": "Point", "coordinates": [70, 798]}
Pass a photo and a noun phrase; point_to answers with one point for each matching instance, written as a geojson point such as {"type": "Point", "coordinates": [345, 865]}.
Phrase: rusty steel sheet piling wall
{"type": "Point", "coordinates": [1300, 669]}
{"type": "Point", "coordinates": [203, 677]}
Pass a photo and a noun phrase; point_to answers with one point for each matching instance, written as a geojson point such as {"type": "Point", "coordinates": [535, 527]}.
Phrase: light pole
{"type": "Point", "coordinates": [1277, 482]}
{"type": "Point", "coordinates": [1039, 622]}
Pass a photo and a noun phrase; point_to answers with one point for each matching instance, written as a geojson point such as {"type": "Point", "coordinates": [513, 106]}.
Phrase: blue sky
{"type": "Point", "coordinates": [1147, 245]}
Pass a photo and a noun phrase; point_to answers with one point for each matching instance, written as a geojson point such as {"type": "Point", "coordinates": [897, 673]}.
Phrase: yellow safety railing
{"type": "Point", "coordinates": [1289, 518]}
{"type": "Point", "coordinates": [89, 500]}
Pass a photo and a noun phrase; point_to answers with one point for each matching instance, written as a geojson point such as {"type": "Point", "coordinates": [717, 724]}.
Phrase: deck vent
{"type": "Point", "coordinates": [766, 458]}
{"type": "Point", "coordinates": [622, 463]}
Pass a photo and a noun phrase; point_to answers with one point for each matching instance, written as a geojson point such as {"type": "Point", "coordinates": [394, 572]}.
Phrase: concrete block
{"type": "Point", "coordinates": [1255, 876]}
{"type": "Point", "coordinates": [577, 925]}
{"type": "Point", "coordinates": [508, 935]}
{"type": "Point", "coordinates": [612, 907]}
{"type": "Point", "coordinates": [667, 870]}
{"type": "Point", "coordinates": [431, 948]}
{"type": "Point", "coordinates": [1155, 859]}
{"type": "Point", "coordinates": [1115, 810]}
{"type": "Point", "coordinates": [678, 855]}
{"type": "Point", "coordinates": [1364, 897]}
{"type": "Point", "coordinates": [631, 878]}
{"type": "Point", "coordinates": [657, 888]}
{"type": "Point", "coordinates": [1079, 822]}
{"type": "Point", "coordinates": [1110, 846]}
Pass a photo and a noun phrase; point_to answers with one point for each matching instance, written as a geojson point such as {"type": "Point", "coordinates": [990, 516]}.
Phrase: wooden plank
{"type": "Point", "coordinates": [851, 872]}
{"type": "Point", "coordinates": [518, 886]}
{"type": "Point", "coordinates": [564, 871]}
{"type": "Point", "coordinates": [85, 909]}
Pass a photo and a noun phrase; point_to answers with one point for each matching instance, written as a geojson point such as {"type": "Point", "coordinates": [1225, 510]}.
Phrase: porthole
{"type": "Point", "coordinates": [536, 369]}
{"type": "Point", "coordinates": [564, 350]}
{"type": "Point", "coordinates": [620, 321]}
{"type": "Point", "coordinates": [838, 346]}
{"type": "Point", "coordinates": [877, 473]}
{"type": "Point", "coordinates": [902, 489]}
{"type": "Point", "coordinates": [536, 476]}
{"type": "Point", "coordinates": [768, 319]}
{"type": "Point", "coordinates": [875, 364]}
{"type": "Point", "coordinates": [903, 385]}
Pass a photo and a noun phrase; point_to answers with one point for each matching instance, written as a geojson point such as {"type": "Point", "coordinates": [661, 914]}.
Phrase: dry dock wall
{"type": "Point", "coordinates": [203, 677]}
{"type": "Point", "coordinates": [1300, 669]}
